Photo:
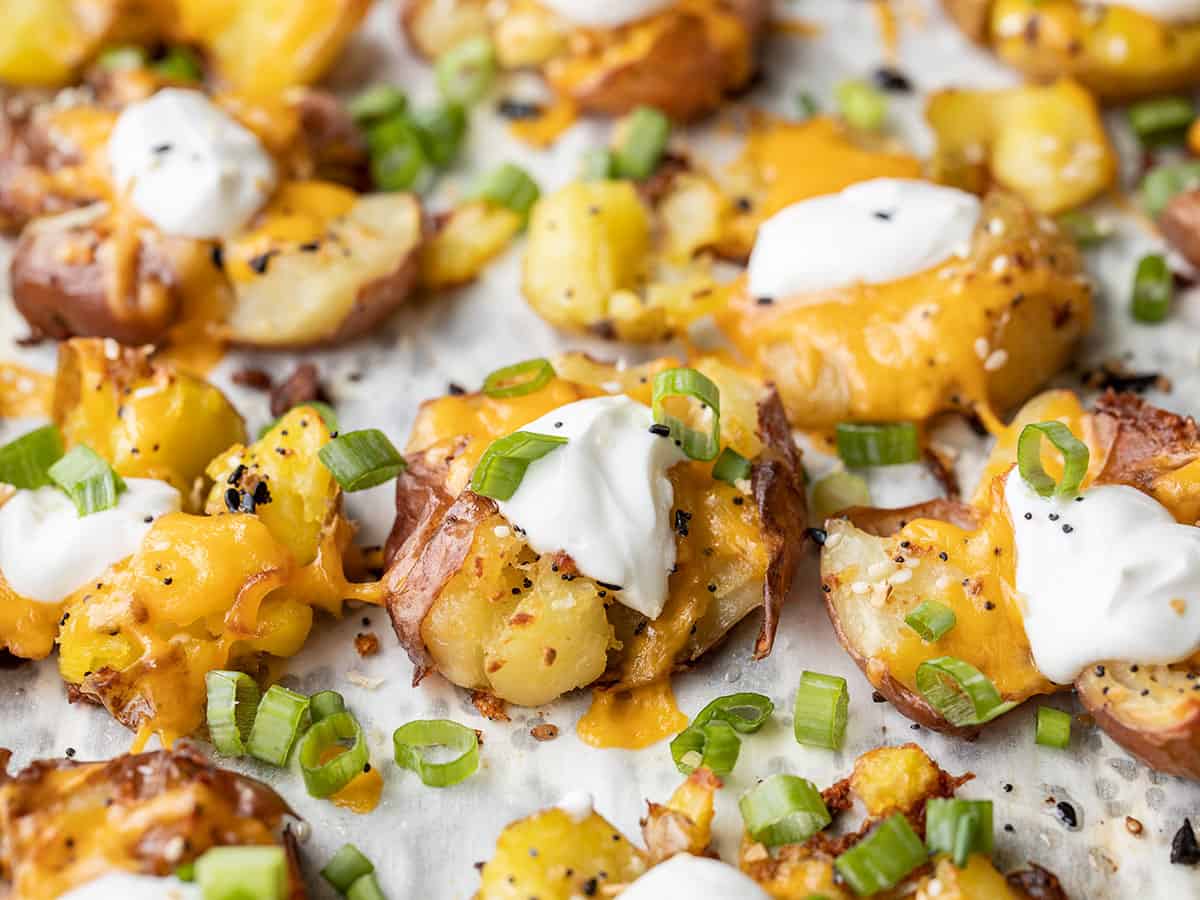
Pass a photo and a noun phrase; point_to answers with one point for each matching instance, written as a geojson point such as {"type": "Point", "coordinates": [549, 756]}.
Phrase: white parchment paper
{"type": "Point", "coordinates": [424, 841]}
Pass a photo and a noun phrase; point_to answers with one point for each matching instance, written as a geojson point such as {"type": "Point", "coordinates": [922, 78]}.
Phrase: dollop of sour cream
{"type": "Point", "coordinates": [188, 166]}
{"type": "Point", "coordinates": [606, 13]}
{"type": "Point", "coordinates": [48, 551]}
{"type": "Point", "coordinates": [578, 805]}
{"type": "Point", "coordinates": [603, 498]}
{"type": "Point", "coordinates": [1110, 577]}
{"type": "Point", "coordinates": [1174, 11]}
{"type": "Point", "coordinates": [874, 232]}
{"type": "Point", "coordinates": [128, 886]}
{"type": "Point", "coordinates": [687, 877]}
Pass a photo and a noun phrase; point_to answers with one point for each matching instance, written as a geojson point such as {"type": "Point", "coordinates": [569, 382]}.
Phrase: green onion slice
{"type": "Point", "coordinates": [347, 866]}
{"type": "Point", "coordinates": [1162, 183]}
{"type": "Point", "coordinates": [25, 463]}
{"type": "Point", "coordinates": [882, 859]}
{"type": "Point", "coordinates": [646, 132]}
{"type": "Point", "coordinates": [931, 620]}
{"type": "Point", "coordinates": [441, 130]}
{"type": "Point", "coordinates": [1086, 229]}
{"type": "Point", "coordinates": [1053, 727]}
{"type": "Point", "coordinates": [599, 164]}
{"type": "Point", "coordinates": [731, 467]}
{"type": "Point", "coordinates": [822, 704]}
{"type": "Point", "coordinates": [398, 158]}
{"type": "Point", "coordinates": [324, 779]}
{"type": "Point", "coordinates": [509, 186]}
{"type": "Point", "coordinates": [1161, 119]}
{"type": "Point", "coordinates": [746, 712]}
{"type": "Point", "coordinates": [861, 105]}
{"type": "Point", "coordinates": [838, 491]}
{"type": "Point", "coordinates": [324, 704]}
{"type": "Point", "coordinates": [1029, 458]}
{"type": "Point", "coordinates": [958, 827]}
{"type": "Point", "coordinates": [505, 461]}
{"type": "Point", "coordinates": [179, 64]}
{"type": "Point", "coordinates": [366, 888]}
{"type": "Point", "coordinates": [806, 106]}
{"type": "Point", "coordinates": [884, 444]}
{"type": "Point", "coordinates": [362, 459]}
{"type": "Point", "coordinates": [123, 58]}
{"type": "Point", "coordinates": [465, 73]}
{"type": "Point", "coordinates": [232, 702]}
{"type": "Point", "coordinates": [327, 413]}
{"type": "Point", "coordinates": [689, 384]}
{"type": "Point", "coordinates": [712, 745]}
{"type": "Point", "coordinates": [519, 379]}
{"type": "Point", "coordinates": [378, 102]}
{"type": "Point", "coordinates": [1153, 289]}
{"type": "Point", "coordinates": [91, 483]}
{"type": "Point", "coordinates": [280, 718]}
{"type": "Point", "coordinates": [783, 809]}
{"type": "Point", "coordinates": [186, 871]}
{"type": "Point", "coordinates": [961, 693]}
{"type": "Point", "coordinates": [411, 740]}
{"type": "Point", "coordinates": [237, 873]}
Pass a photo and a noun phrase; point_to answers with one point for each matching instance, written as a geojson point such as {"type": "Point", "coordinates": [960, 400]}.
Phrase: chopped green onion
{"type": "Point", "coordinates": [783, 809]}
{"type": "Point", "coordinates": [731, 467]}
{"type": "Point", "coordinates": [1084, 228]}
{"type": "Point", "coordinates": [861, 105]}
{"type": "Point", "coordinates": [931, 620]}
{"type": "Point", "coordinates": [398, 160]}
{"type": "Point", "coordinates": [325, 779]}
{"type": "Point", "coordinates": [958, 827]}
{"type": "Point", "coordinates": [25, 462]}
{"type": "Point", "coordinates": [411, 740]}
{"type": "Point", "coordinates": [885, 444]}
{"type": "Point", "coordinates": [882, 859]}
{"type": "Point", "coordinates": [599, 164]}
{"type": "Point", "coordinates": [324, 704]}
{"type": "Point", "coordinates": [365, 888]}
{"type": "Point", "coordinates": [362, 459]}
{"type": "Point", "coordinates": [645, 141]}
{"type": "Point", "coordinates": [806, 106]}
{"type": "Point", "coordinates": [1029, 458]}
{"type": "Point", "coordinates": [745, 712]}
{"type": "Point", "coordinates": [509, 186]}
{"type": "Point", "coordinates": [327, 413]}
{"type": "Point", "coordinates": [694, 385]}
{"type": "Point", "coordinates": [91, 483]}
{"type": "Point", "coordinates": [232, 702]}
{"type": "Point", "coordinates": [1162, 183]}
{"type": "Point", "coordinates": [441, 130]}
{"type": "Point", "coordinates": [243, 873]}
{"type": "Point", "coordinates": [186, 871]}
{"type": "Point", "coordinates": [822, 703]}
{"type": "Point", "coordinates": [838, 491]}
{"type": "Point", "coordinates": [712, 745]}
{"type": "Point", "coordinates": [120, 59]}
{"type": "Point", "coordinates": [376, 103]}
{"type": "Point", "coordinates": [465, 73]}
{"type": "Point", "coordinates": [500, 471]}
{"type": "Point", "coordinates": [1161, 120]}
{"type": "Point", "coordinates": [179, 64]}
{"type": "Point", "coordinates": [962, 694]}
{"type": "Point", "coordinates": [1053, 728]}
{"type": "Point", "coordinates": [280, 718]}
{"type": "Point", "coordinates": [347, 866]}
{"type": "Point", "coordinates": [1153, 289]}
{"type": "Point", "coordinates": [519, 379]}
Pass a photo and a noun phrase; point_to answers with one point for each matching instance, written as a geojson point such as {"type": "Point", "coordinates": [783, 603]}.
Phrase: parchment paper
{"type": "Point", "coordinates": [424, 841]}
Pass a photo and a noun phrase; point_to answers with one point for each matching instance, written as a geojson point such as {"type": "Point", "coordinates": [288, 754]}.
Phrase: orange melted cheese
{"type": "Point", "coordinates": [631, 720]}
{"type": "Point", "coordinates": [546, 128]}
{"type": "Point", "coordinates": [362, 794]}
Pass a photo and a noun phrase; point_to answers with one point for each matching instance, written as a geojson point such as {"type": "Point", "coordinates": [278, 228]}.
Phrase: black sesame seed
{"type": "Point", "coordinates": [233, 499]}
{"type": "Point", "coordinates": [1028, 515]}
{"type": "Point", "coordinates": [765, 301]}
{"type": "Point", "coordinates": [1099, 670]}
{"type": "Point", "coordinates": [262, 493]}
{"type": "Point", "coordinates": [682, 519]}
{"type": "Point", "coordinates": [660, 430]}
{"type": "Point", "coordinates": [1067, 529]}
{"type": "Point", "coordinates": [260, 263]}
{"type": "Point", "coordinates": [455, 390]}
{"type": "Point", "coordinates": [1066, 814]}
{"type": "Point", "coordinates": [1008, 788]}
{"type": "Point", "coordinates": [943, 556]}
{"type": "Point", "coordinates": [1053, 517]}
{"type": "Point", "coordinates": [217, 255]}
{"type": "Point", "coordinates": [818, 535]}
{"type": "Point", "coordinates": [888, 79]}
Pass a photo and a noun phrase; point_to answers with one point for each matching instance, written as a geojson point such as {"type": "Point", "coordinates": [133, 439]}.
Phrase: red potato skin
{"type": "Point", "coordinates": [1174, 750]}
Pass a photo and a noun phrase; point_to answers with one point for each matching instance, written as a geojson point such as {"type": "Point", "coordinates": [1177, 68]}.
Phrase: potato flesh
{"type": "Point", "coordinates": [474, 235]}
{"type": "Point", "coordinates": [893, 779]}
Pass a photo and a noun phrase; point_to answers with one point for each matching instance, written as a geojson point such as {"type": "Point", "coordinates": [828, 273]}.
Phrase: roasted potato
{"type": "Point", "coordinates": [469, 598]}
{"type": "Point", "coordinates": [684, 60]}
{"type": "Point", "coordinates": [65, 823]}
{"type": "Point", "coordinates": [1118, 54]}
{"type": "Point", "coordinates": [1045, 143]}
{"type": "Point", "coordinates": [463, 242]}
{"type": "Point", "coordinates": [1180, 224]}
{"type": "Point", "coordinates": [912, 348]}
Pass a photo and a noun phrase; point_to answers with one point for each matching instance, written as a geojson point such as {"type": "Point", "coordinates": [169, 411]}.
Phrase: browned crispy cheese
{"type": "Point", "coordinates": [63, 823]}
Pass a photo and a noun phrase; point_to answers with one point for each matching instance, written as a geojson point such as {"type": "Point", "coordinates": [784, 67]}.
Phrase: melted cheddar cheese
{"type": "Point", "coordinates": [633, 719]}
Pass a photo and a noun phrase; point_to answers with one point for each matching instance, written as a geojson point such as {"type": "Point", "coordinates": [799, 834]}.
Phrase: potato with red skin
{"type": "Point", "coordinates": [1180, 224]}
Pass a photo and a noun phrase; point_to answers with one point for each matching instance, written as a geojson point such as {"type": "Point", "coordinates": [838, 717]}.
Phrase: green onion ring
{"type": "Point", "coordinates": [280, 718]}
{"type": "Point", "coordinates": [465, 72]}
{"type": "Point", "coordinates": [783, 809]}
{"type": "Point", "coordinates": [91, 483]}
{"type": "Point", "coordinates": [325, 779]}
{"type": "Point", "coordinates": [716, 742]}
{"type": "Point", "coordinates": [962, 694]}
{"type": "Point", "coordinates": [237, 872]}
{"type": "Point", "coordinates": [689, 383]}
{"type": "Point", "coordinates": [731, 467]}
{"type": "Point", "coordinates": [324, 704]}
{"type": "Point", "coordinates": [346, 867]}
{"type": "Point", "coordinates": [1053, 728]}
{"type": "Point", "coordinates": [959, 827]}
{"type": "Point", "coordinates": [503, 465]}
{"type": "Point", "coordinates": [519, 379]}
{"type": "Point", "coordinates": [931, 620]}
{"type": "Point", "coordinates": [647, 131]}
{"type": "Point", "coordinates": [732, 709]}
{"type": "Point", "coordinates": [1029, 458]}
{"type": "Point", "coordinates": [882, 859]}
{"type": "Point", "coordinates": [25, 462]}
{"type": "Point", "coordinates": [232, 702]}
{"type": "Point", "coordinates": [864, 444]}
{"type": "Point", "coordinates": [1153, 289]}
{"type": "Point", "coordinates": [411, 739]}
{"type": "Point", "coordinates": [509, 186]}
{"type": "Point", "coordinates": [820, 712]}
{"type": "Point", "coordinates": [362, 459]}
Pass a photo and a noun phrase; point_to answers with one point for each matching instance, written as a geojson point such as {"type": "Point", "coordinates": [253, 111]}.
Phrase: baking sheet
{"type": "Point", "coordinates": [424, 841]}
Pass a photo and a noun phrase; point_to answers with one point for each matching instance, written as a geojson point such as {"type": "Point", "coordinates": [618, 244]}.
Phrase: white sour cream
{"type": "Point", "coordinates": [127, 886]}
{"type": "Point", "coordinates": [874, 231]}
{"type": "Point", "coordinates": [578, 805]}
{"type": "Point", "coordinates": [189, 167]}
{"type": "Point", "coordinates": [686, 877]}
{"type": "Point", "coordinates": [1174, 11]}
{"type": "Point", "coordinates": [604, 498]}
{"type": "Point", "coordinates": [48, 551]}
{"type": "Point", "coordinates": [1111, 577]}
{"type": "Point", "coordinates": [606, 13]}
